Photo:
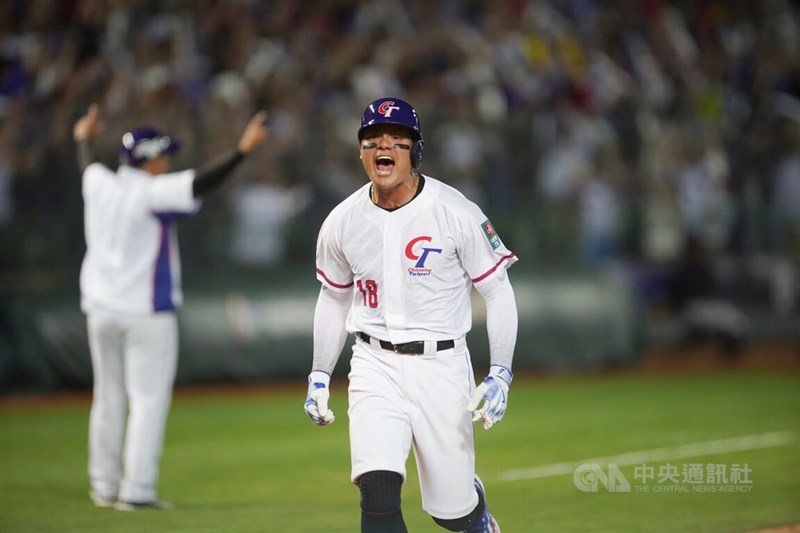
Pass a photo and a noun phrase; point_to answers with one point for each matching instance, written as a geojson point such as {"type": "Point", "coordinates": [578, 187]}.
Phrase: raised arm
{"type": "Point", "coordinates": [86, 129]}
{"type": "Point", "coordinates": [214, 173]}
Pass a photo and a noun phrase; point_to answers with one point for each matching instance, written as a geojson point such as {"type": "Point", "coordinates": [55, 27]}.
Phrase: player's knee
{"type": "Point", "coordinates": [380, 491]}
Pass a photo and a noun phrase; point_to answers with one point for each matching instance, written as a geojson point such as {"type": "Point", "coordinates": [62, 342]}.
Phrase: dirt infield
{"type": "Point", "coordinates": [700, 358]}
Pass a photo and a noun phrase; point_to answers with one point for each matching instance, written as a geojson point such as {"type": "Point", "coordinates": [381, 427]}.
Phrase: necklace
{"type": "Point", "coordinates": [375, 200]}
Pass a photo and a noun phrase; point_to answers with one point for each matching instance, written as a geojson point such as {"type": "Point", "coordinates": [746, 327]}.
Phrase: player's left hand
{"type": "Point", "coordinates": [316, 405]}
{"type": "Point", "coordinates": [255, 133]}
{"type": "Point", "coordinates": [493, 392]}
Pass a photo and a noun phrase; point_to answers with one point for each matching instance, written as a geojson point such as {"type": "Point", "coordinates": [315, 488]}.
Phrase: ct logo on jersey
{"type": "Point", "coordinates": [386, 108]}
{"type": "Point", "coordinates": [420, 253]}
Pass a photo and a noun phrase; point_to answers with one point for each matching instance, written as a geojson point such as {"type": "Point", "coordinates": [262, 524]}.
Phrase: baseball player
{"type": "Point", "coordinates": [397, 261]}
{"type": "Point", "coordinates": [130, 292]}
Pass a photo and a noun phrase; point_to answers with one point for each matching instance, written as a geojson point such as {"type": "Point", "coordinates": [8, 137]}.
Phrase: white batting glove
{"type": "Point", "coordinates": [493, 392]}
{"type": "Point", "coordinates": [317, 399]}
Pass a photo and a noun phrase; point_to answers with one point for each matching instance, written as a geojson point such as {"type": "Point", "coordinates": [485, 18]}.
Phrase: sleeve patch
{"type": "Point", "coordinates": [491, 234]}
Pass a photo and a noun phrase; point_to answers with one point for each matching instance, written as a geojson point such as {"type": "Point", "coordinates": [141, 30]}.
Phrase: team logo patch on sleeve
{"type": "Point", "coordinates": [491, 234]}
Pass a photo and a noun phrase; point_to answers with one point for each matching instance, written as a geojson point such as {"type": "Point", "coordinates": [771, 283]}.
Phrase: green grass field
{"type": "Point", "coordinates": [251, 461]}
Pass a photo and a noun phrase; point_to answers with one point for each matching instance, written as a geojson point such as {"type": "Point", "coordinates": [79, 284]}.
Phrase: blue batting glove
{"type": "Point", "coordinates": [493, 392]}
{"type": "Point", "coordinates": [317, 399]}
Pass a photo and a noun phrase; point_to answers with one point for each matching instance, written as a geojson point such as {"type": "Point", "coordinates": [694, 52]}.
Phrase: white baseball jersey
{"type": "Point", "coordinates": [413, 267]}
{"type": "Point", "coordinates": [132, 263]}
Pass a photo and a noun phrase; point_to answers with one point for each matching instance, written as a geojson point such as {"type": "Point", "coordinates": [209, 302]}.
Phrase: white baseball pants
{"type": "Point", "coordinates": [400, 402]}
{"type": "Point", "coordinates": [134, 358]}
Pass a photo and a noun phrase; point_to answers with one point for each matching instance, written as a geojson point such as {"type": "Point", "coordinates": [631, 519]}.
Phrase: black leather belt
{"type": "Point", "coordinates": [408, 348]}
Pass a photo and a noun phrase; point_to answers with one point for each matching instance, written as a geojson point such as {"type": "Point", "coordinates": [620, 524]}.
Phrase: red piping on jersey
{"type": "Point", "coordinates": [332, 284]}
{"type": "Point", "coordinates": [491, 270]}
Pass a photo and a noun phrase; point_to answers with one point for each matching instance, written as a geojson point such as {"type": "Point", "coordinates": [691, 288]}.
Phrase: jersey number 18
{"type": "Point", "coordinates": [369, 290]}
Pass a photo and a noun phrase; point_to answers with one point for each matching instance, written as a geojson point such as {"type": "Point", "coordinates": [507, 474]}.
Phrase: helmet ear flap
{"type": "Point", "coordinates": [416, 153]}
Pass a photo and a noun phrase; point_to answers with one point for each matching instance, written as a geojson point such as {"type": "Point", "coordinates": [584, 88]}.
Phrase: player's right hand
{"type": "Point", "coordinates": [317, 399]}
{"type": "Point", "coordinates": [88, 126]}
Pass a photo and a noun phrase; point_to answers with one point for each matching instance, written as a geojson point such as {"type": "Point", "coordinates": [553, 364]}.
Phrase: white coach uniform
{"type": "Point", "coordinates": [411, 271]}
{"type": "Point", "coordinates": [130, 288]}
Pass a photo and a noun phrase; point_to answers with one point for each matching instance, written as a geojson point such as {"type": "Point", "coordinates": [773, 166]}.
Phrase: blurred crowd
{"type": "Point", "coordinates": [630, 131]}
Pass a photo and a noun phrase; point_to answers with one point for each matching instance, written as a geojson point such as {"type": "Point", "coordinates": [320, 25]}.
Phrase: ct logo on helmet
{"type": "Point", "coordinates": [387, 107]}
{"type": "Point", "coordinates": [419, 268]}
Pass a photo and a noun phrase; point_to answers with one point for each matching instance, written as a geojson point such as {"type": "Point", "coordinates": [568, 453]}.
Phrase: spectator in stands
{"type": "Point", "coordinates": [706, 314]}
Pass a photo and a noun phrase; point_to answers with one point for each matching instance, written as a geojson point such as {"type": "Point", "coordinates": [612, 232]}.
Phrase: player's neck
{"type": "Point", "coordinates": [397, 197]}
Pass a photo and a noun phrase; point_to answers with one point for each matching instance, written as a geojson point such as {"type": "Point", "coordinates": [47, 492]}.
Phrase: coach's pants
{"type": "Point", "coordinates": [134, 358]}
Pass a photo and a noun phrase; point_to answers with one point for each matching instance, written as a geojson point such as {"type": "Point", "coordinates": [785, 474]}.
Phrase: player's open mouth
{"type": "Point", "coordinates": [384, 164]}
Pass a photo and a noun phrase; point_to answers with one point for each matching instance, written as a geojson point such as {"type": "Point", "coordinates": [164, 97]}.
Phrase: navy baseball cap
{"type": "Point", "coordinates": [390, 111]}
{"type": "Point", "coordinates": [144, 144]}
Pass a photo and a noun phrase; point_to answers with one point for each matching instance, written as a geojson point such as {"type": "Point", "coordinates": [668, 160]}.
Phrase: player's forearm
{"type": "Point", "coordinates": [501, 320]}
{"type": "Point", "coordinates": [214, 173]}
{"type": "Point", "coordinates": [330, 334]}
{"type": "Point", "coordinates": [86, 154]}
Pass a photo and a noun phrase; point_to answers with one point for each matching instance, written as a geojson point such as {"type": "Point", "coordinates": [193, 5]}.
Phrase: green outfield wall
{"type": "Point", "coordinates": [258, 328]}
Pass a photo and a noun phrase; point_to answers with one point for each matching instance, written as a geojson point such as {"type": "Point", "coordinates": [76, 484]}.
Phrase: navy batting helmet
{"type": "Point", "coordinates": [395, 111]}
{"type": "Point", "coordinates": [144, 144]}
